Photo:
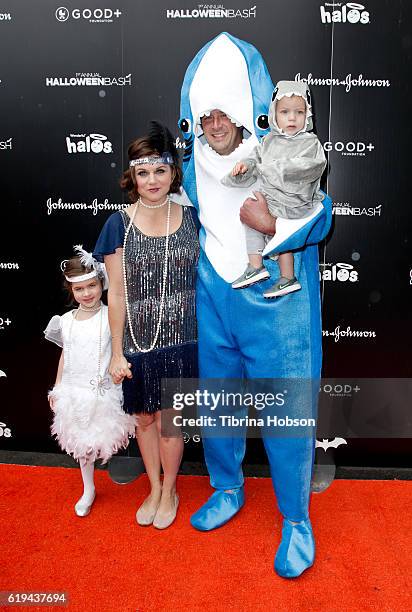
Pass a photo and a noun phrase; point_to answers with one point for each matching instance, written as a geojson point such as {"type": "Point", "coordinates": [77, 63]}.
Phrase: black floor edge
{"type": "Point", "coordinates": [199, 469]}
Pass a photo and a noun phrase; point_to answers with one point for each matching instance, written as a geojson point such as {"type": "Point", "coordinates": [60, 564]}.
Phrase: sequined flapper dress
{"type": "Point", "coordinates": [175, 353]}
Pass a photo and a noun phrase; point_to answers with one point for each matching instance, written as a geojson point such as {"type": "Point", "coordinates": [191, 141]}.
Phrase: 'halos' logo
{"type": "Point", "coordinates": [180, 144]}
{"type": "Point", "coordinates": [95, 143]}
{"type": "Point", "coordinates": [5, 431]}
{"type": "Point", "coordinates": [338, 272]}
{"type": "Point", "coordinates": [352, 12]}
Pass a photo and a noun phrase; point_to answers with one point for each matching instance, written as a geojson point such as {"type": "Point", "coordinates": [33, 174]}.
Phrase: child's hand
{"type": "Point", "coordinates": [240, 168]}
{"type": "Point", "coordinates": [119, 368]}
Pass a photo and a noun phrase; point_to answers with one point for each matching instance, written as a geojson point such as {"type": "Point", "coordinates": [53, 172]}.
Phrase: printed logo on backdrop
{"type": "Point", "coordinates": [410, 276]}
{"type": "Point", "coordinates": [211, 11]}
{"type": "Point", "coordinates": [94, 143]}
{"type": "Point", "coordinates": [187, 437]}
{"type": "Point", "coordinates": [95, 15]}
{"type": "Point", "coordinates": [325, 443]}
{"type": "Point", "coordinates": [345, 209]}
{"type": "Point", "coordinates": [341, 272]}
{"type": "Point", "coordinates": [4, 322]}
{"type": "Point", "coordinates": [5, 432]}
{"type": "Point", "coordinates": [337, 12]}
{"type": "Point", "coordinates": [339, 333]}
{"type": "Point", "coordinates": [6, 144]}
{"type": "Point", "coordinates": [339, 389]}
{"type": "Point", "coordinates": [5, 16]}
{"type": "Point", "coordinates": [180, 144]}
{"type": "Point", "coordinates": [3, 374]}
{"type": "Point", "coordinates": [348, 81]}
{"type": "Point", "coordinates": [88, 79]}
{"type": "Point", "coordinates": [351, 148]}
{"type": "Point", "coordinates": [9, 265]}
{"type": "Point", "coordinates": [94, 207]}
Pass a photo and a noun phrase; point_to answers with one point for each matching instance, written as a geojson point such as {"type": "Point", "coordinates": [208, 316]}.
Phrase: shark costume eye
{"type": "Point", "coordinates": [262, 122]}
{"type": "Point", "coordinates": [185, 125]}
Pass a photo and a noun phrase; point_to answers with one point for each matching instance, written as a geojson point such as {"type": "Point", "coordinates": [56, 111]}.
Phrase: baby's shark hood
{"type": "Point", "coordinates": [290, 88]}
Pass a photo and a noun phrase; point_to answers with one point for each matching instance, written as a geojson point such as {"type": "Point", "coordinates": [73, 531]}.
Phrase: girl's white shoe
{"type": "Point", "coordinates": [83, 507]}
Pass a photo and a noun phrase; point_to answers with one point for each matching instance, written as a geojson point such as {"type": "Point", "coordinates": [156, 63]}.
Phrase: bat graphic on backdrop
{"type": "Point", "coordinates": [325, 444]}
{"type": "Point", "coordinates": [2, 374]}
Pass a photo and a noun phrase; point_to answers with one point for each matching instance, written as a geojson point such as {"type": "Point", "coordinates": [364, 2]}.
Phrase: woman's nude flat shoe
{"type": "Point", "coordinates": [145, 516]}
{"type": "Point", "coordinates": [164, 521]}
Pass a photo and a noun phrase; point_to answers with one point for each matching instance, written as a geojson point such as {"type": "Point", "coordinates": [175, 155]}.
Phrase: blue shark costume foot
{"type": "Point", "coordinates": [218, 510]}
{"type": "Point", "coordinates": [296, 552]}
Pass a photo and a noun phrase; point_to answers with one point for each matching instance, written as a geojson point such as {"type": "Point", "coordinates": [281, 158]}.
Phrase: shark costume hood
{"type": "Point", "coordinates": [289, 89]}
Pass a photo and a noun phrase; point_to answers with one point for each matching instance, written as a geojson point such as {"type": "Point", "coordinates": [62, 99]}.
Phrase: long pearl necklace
{"type": "Point", "coordinates": [165, 269]}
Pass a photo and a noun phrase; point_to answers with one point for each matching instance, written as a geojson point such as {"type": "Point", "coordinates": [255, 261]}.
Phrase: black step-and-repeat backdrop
{"type": "Point", "coordinates": [80, 80]}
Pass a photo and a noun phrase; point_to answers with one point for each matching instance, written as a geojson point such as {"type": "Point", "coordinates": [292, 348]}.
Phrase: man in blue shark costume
{"type": "Point", "coordinates": [240, 333]}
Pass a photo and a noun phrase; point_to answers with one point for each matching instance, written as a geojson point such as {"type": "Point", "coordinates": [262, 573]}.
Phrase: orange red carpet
{"type": "Point", "coordinates": [106, 562]}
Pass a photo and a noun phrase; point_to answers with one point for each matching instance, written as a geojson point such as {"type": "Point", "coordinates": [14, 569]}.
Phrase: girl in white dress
{"type": "Point", "coordinates": [88, 421]}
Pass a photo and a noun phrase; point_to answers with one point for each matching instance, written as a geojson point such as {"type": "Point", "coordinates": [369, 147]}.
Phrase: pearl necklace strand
{"type": "Point", "coordinates": [151, 205]}
{"type": "Point", "coordinates": [91, 309]}
{"type": "Point", "coordinates": [165, 270]}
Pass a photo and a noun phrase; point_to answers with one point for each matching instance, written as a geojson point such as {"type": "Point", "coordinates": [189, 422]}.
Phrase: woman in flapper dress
{"type": "Point", "coordinates": [150, 250]}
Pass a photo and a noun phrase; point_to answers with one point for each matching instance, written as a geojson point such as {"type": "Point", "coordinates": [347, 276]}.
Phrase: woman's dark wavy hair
{"type": "Point", "coordinates": [159, 140]}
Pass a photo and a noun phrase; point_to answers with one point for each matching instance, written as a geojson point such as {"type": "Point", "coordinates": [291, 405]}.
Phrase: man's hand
{"type": "Point", "coordinates": [256, 215]}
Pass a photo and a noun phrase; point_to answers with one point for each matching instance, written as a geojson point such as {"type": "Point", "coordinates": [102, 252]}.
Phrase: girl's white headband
{"type": "Point", "coordinates": [87, 259]}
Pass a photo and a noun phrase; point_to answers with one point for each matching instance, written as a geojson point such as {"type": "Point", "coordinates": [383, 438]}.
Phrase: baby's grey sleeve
{"type": "Point", "coordinates": [250, 176]}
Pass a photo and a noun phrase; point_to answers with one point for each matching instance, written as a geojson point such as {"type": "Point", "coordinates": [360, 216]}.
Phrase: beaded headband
{"type": "Point", "coordinates": [166, 158]}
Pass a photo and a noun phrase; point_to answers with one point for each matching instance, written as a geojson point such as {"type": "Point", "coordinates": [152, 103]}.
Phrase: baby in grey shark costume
{"type": "Point", "coordinates": [289, 162]}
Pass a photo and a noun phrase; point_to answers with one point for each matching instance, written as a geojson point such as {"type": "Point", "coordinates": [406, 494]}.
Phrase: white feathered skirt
{"type": "Point", "coordinates": [89, 426]}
